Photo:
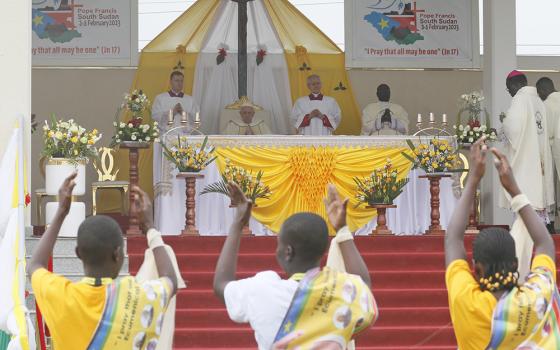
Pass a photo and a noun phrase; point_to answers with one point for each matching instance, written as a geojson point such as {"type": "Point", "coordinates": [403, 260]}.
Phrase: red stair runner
{"type": "Point", "coordinates": [408, 284]}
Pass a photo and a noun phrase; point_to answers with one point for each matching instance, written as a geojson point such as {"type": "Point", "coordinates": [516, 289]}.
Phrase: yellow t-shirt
{"type": "Point", "coordinates": [472, 309]}
{"type": "Point", "coordinates": [73, 311]}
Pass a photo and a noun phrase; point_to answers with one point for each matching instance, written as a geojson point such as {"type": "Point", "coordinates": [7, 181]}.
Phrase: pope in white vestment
{"type": "Point", "coordinates": [169, 199]}
{"type": "Point", "coordinates": [247, 124]}
{"type": "Point", "coordinates": [528, 149]}
{"type": "Point", "coordinates": [316, 114]}
{"type": "Point", "coordinates": [384, 117]}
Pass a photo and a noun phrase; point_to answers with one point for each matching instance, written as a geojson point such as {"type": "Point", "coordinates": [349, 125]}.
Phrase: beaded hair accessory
{"type": "Point", "coordinates": [498, 281]}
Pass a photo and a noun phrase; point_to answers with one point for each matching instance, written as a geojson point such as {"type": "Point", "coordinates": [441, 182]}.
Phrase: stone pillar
{"type": "Point", "coordinates": [500, 57]}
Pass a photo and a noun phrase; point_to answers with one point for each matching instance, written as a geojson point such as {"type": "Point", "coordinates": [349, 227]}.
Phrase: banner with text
{"type": "Point", "coordinates": [412, 34]}
{"type": "Point", "coordinates": [84, 32]}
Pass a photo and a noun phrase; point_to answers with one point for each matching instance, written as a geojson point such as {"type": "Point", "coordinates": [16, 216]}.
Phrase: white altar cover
{"type": "Point", "coordinates": [214, 217]}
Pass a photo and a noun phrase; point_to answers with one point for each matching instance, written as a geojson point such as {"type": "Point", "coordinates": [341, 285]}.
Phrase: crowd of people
{"type": "Point", "coordinates": [501, 305]}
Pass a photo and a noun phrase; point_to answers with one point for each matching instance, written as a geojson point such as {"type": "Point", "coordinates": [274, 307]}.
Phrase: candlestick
{"type": "Point", "coordinates": [184, 117]}
{"type": "Point", "coordinates": [432, 118]}
{"type": "Point", "coordinates": [197, 117]}
{"type": "Point", "coordinates": [419, 118]}
{"type": "Point", "coordinates": [444, 118]}
{"type": "Point", "coordinates": [170, 117]}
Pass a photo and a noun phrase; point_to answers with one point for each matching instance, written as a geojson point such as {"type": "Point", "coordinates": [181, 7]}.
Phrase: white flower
{"type": "Point", "coordinates": [156, 123]}
{"type": "Point", "coordinates": [461, 127]}
{"type": "Point", "coordinates": [122, 125]}
{"type": "Point", "coordinates": [148, 138]}
{"type": "Point", "coordinates": [83, 140]}
{"type": "Point", "coordinates": [115, 123]}
{"type": "Point", "coordinates": [58, 135]}
{"type": "Point", "coordinates": [476, 128]}
{"type": "Point", "coordinates": [133, 137]}
{"type": "Point", "coordinates": [130, 125]}
{"type": "Point", "coordinates": [155, 134]}
{"type": "Point", "coordinates": [156, 140]}
{"type": "Point", "coordinates": [471, 140]}
{"type": "Point", "coordinates": [120, 132]}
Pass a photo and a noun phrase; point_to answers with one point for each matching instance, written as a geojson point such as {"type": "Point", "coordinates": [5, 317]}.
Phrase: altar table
{"type": "Point", "coordinates": [297, 168]}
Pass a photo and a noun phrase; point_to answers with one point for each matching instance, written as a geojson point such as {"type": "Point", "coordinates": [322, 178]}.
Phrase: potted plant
{"type": "Point", "coordinates": [67, 147]}
{"type": "Point", "coordinates": [469, 132]}
{"type": "Point", "coordinates": [378, 191]}
{"type": "Point", "coordinates": [188, 157]}
{"type": "Point", "coordinates": [251, 185]}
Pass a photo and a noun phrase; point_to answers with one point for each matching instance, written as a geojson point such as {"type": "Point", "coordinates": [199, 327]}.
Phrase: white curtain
{"type": "Point", "coordinates": [215, 85]}
{"type": "Point", "coordinates": [214, 216]}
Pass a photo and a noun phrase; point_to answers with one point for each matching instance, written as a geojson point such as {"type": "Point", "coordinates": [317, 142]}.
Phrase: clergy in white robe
{"type": "Point", "coordinates": [246, 123]}
{"type": "Point", "coordinates": [168, 196]}
{"type": "Point", "coordinates": [551, 98]}
{"type": "Point", "coordinates": [172, 103]}
{"type": "Point", "coordinates": [527, 147]}
{"type": "Point", "coordinates": [316, 114]}
{"type": "Point", "coordinates": [384, 117]}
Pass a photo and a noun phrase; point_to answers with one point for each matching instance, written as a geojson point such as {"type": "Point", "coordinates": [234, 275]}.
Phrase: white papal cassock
{"type": "Point", "coordinates": [371, 119]}
{"type": "Point", "coordinates": [257, 127]}
{"type": "Point", "coordinates": [528, 149]}
{"type": "Point", "coordinates": [168, 198]}
{"type": "Point", "coordinates": [552, 104]}
{"type": "Point", "coordinates": [306, 125]}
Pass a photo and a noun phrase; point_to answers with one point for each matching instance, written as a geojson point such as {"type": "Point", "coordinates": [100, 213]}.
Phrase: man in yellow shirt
{"type": "Point", "coordinates": [489, 308]}
{"type": "Point", "coordinates": [99, 312]}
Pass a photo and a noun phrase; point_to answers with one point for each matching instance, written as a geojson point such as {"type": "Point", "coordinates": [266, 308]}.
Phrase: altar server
{"type": "Point", "coordinates": [246, 123]}
{"type": "Point", "coordinates": [92, 313]}
{"type": "Point", "coordinates": [494, 308]}
{"type": "Point", "coordinates": [528, 148]}
{"type": "Point", "coordinates": [315, 114]}
{"type": "Point", "coordinates": [384, 117]}
{"type": "Point", "coordinates": [174, 100]}
{"type": "Point", "coordinates": [276, 307]}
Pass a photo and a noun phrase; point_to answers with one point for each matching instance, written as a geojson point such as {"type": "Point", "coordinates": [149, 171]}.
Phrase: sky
{"type": "Point", "coordinates": [537, 33]}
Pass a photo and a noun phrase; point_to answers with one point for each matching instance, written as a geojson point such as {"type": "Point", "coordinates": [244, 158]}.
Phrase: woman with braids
{"type": "Point", "coordinates": [492, 309]}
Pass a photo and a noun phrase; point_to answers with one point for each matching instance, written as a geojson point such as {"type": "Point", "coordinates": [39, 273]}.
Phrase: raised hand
{"type": "Point", "coordinates": [65, 193]}
{"type": "Point", "coordinates": [336, 208]}
{"type": "Point", "coordinates": [505, 173]}
{"type": "Point", "coordinates": [143, 205]}
{"type": "Point", "coordinates": [241, 202]}
{"type": "Point", "coordinates": [479, 150]}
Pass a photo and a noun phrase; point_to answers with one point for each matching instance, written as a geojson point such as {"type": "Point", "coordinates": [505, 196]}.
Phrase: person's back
{"type": "Point", "coordinates": [492, 309]}
{"type": "Point", "coordinates": [101, 312]}
{"type": "Point", "coordinates": [275, 307]}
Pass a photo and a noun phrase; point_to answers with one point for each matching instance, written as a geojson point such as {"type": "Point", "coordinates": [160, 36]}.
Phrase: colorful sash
{"type": "Point", "coordinates": [329, 308]}
{"type": "Point", "coordinates": [527, 317]}
{"type": "Point", "coordinates": [132, 316]}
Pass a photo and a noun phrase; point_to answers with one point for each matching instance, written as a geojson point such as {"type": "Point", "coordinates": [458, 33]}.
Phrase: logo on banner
{"type": "Point", "coordinates": [54, 20]}
{"type": "Point", "coordinates": [395, 20]}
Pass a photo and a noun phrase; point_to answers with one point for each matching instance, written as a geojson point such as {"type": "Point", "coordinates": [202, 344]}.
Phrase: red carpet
{"type": "Point", "coordinates": [408, 284]}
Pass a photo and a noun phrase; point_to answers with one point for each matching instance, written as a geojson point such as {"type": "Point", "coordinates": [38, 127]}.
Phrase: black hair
{"type": "Point", "coordinates": [98, 238]}
{"type": "Point", "coordinates": [174, 73]}
{"type": "Point", "coordinates": [545, 86]}
{"type": "Point", "coordinates": [384, 93]}
{"type": "Point", "coordinates": [517, 81]}
{"type": "Point", "coordinates": [494, 248]}
{"type": "Point", "coordinates": [307, 234]}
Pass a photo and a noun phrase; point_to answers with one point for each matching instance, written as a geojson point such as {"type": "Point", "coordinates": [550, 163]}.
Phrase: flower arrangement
{"type": "Point", "coordinates": [252, 186]}
{"type": "Point", "coordinates": [189, 158]}
{"type": "Point", "coordinates": [470, 132]}
{"type": "Point", "coordinates": [260, 54]}
{"type": "Point", "coordinates": [381, 187]}
{"type": "Point", "coordinates": [136, 102]}
{"type": "Point", "coordinates": [67, 139]}
{"type": "Point", "coordinates": [436, 157]}
{"type": "Point", "coordinates": [134, 130]}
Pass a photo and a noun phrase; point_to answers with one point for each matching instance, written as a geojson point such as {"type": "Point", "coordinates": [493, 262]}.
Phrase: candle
{"type": "Point", "coordinates": [419, 118]}
{"type": "Point", "coordinates": [197, 117]}
{"type": "Point", "coordinates": [432, 119]}
{"type": "Point", "coordinates": [184, 117]}
{"type": "Point", "coordinates": [444, 118]}
{"type": "Point", "coordinates": [170, 116]}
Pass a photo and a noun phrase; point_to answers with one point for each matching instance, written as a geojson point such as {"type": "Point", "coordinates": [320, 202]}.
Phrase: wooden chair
{"type": "Point", "coordinates": [106, 179]}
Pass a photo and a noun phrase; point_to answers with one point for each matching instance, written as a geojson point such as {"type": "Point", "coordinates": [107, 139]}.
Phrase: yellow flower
{"type": "Point", "coordinates": [74, 139]}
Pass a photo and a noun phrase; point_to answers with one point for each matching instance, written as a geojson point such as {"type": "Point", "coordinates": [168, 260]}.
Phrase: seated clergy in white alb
{"type": "Point", "coordinates": [315, 115]}
{"type": "Point", "coordinates": [384, 117]}
{"type": "Point", "coordinates": [174, 100]}
{"type": "Point", "coordinates": [245, 123]}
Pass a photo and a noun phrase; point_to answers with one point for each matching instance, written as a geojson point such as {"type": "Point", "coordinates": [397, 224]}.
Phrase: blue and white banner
{"type": "Point", "coordinates": [412, 34]}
